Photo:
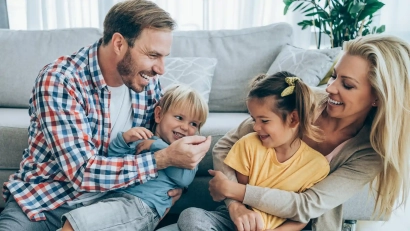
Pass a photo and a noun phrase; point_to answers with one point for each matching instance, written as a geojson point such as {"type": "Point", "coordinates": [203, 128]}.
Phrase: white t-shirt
{"type": "Point", "coordinates": [120, 110]}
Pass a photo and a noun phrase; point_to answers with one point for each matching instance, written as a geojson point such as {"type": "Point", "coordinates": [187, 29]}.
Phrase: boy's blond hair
{"type": "Point", "coordinates": [184, 96]}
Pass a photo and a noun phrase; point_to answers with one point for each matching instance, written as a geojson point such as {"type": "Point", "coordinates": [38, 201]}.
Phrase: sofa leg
{"type": "Point", "coordinates": [349, 225]}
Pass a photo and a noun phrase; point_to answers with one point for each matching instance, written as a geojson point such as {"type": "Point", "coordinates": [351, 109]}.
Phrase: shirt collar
{"type": "Point", "coordinates": [95, 70]}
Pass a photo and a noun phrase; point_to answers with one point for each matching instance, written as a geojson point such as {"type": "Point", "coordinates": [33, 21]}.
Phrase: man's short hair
{"type": "Point", "coordinates": [129, 18]}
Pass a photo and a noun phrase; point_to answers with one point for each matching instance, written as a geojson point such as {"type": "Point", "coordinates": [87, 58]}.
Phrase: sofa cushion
{"type": "Point", "coordinates": [196, 72]}
{"type": "Point", "coordinates": [310, 65]}
{"type": "Point", "coordinates": [14, 123]}
{"type": "Point", "coordinates": [241, 55]}
{"type": "Point", "coordinates": [27, 52]}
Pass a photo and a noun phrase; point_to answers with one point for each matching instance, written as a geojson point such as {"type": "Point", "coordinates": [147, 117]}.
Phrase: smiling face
{"type": "Point", "coordinates": [175, 124]}
{"type": "Point", "coordinates": [270, 127]}
{"type": "Point", "coordinates": [350, 92]}
{"type": "Point", "coordinates": [145, 59]}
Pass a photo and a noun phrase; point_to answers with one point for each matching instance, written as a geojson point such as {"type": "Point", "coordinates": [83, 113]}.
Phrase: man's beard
{"type": "Point", "coordinates": [125, 67]}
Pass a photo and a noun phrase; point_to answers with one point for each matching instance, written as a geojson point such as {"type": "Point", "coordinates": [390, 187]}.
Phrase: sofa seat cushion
{"type": "Point", "coordinates": [14, 123]}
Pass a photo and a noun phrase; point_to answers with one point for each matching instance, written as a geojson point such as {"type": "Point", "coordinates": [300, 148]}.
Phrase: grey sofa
{"type": "Point", "coordinates": [241, 54]}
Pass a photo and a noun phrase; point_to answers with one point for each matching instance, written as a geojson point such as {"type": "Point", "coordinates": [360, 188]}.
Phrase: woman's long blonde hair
{"type": "Point", "coordinates": [389, 75]}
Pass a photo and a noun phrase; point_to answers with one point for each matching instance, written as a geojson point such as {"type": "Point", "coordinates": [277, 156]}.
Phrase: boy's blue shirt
{"type": "Point", "coordinates": [155, 191]}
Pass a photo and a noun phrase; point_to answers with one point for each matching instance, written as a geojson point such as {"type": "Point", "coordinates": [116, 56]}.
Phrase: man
{"type": "Point", "coordinates": [78, 103]}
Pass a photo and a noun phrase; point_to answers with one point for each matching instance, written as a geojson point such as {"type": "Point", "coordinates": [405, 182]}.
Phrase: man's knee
{"type": "Point", "coordinates": [15, 222]}
{"type": "Point", "coordinates": [14, 219]}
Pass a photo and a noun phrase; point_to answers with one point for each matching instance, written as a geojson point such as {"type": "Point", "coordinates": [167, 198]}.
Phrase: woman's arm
{"type": "Point", "coordinates": [347, 180]}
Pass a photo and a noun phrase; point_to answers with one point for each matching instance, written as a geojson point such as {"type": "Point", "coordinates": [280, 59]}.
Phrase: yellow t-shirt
{"type": "Point", "coordinates": [304, 169]}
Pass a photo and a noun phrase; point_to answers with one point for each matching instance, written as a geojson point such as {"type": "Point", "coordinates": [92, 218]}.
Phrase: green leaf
{"type": "Point", "coordinates": [304, 7]}
{"type": "Point", "coordinates": [356, 7]}
{"type": "Point", "coordinates": [300, 4]}
{"type": "Point", "coordinates": [381, 29]}
{"type": "Point", "coordinates": [334, 13]}
{"type": "Point", "coordinates": [285, 10]}
{"type": "Point", "coordinates": [370, 9]}
{"type": "Point", "coordinates": [371, 1]}
{"type": "Point", "coordinates": [306, 22]}
{"type": "Point", "coordinates": [321, 14]}
{"type": "Point", "coordinates": [309, 9]}
{"type": "Point", "coordinates": [288, 2]}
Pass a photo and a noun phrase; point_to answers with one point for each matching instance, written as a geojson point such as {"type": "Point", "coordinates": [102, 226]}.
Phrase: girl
{"type": "Point", "coordinates": [274, 156]}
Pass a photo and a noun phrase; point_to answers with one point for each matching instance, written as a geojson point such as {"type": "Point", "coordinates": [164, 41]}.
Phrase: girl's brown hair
{"type": "Point", "coordinates": [301, 100]}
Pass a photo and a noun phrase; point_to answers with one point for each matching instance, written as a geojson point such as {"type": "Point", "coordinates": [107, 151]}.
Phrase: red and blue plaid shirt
{"type": "Point", "coordinates": [69, 134]}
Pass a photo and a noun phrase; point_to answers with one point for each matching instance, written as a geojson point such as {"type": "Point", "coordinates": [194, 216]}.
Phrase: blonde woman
{"type": "Point", "coordinates": [365, 119]}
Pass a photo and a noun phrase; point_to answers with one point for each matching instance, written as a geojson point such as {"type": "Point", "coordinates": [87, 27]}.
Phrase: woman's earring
{"type": "Point", "coordinates": [374, 104]}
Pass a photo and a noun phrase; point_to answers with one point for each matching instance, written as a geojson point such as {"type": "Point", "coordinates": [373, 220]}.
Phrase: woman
{"type": "Point", "coordinates": [365, 120]}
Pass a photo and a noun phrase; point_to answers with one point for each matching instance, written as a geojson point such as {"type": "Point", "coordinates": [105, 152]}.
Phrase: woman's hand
{"type": "Point", "coordinates": [217, 185]}
{"type": "Point", "coordinates": [244, 218]}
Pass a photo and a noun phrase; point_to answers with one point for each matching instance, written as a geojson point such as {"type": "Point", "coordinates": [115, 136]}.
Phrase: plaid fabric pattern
{"type": "Point", "coordinates": [68, 137]}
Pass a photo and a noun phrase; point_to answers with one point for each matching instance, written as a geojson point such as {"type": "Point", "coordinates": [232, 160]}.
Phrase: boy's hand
{"type": "Point", "coordinates": [136, 133]}
{"type": "Point", "coordinates": [144, 145]}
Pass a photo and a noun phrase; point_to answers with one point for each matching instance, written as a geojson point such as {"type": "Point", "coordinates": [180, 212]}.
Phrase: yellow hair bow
{"type": "Point", "coordinates": [289, 90]}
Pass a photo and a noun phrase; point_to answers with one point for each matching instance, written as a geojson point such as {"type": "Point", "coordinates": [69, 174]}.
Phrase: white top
{"type": "Point", "coordinates": [120, 110]}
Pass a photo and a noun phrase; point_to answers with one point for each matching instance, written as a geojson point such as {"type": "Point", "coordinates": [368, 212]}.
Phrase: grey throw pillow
{"type": "Point", "coordinates": [309, 65]}
{"type": "Point", "coordinates": [196, 72]}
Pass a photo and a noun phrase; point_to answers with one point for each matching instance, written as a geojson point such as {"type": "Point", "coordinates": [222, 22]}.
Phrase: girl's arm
{"type": "Point", "coordinates": [289, 225]}
{"type": "Point", "coordinates": [242, 179]}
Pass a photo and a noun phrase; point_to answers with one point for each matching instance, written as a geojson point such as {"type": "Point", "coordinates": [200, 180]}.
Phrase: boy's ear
{"type": "Point", "coordinates": [294, 119]}
{"type": "Point", "coordinates": [157, 114]}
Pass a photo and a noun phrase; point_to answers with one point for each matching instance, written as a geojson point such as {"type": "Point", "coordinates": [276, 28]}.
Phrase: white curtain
{"type": "Point", "coordinates": [189, 15]}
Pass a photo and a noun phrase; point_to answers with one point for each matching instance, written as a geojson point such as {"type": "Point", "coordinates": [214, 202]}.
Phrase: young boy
{"type": "Point", "coordinates": [181, 112]}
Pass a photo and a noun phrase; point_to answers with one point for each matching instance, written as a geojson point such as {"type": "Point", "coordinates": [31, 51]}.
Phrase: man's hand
{"type": "Point", "coordinates": [175, 194]}
{"type": "Point", "coordinates": [245, 219]}
{"type": "Point", "coordinates": [186, 152]}
{"type": "Point", "coordinates": [144, 145]}
{"type": "Point", "coordinates": [136, 133]}
{"type": "Point", "coordinates": [217, 185]}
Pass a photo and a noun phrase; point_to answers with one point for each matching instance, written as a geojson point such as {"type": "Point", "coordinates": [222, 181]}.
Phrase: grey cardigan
{"type": "Point", "coordinates": [353, 167]}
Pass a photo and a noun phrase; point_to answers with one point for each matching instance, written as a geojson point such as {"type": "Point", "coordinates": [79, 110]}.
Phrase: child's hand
{"type": "Point", "coordinates": [137, 133]}
{"type": "Point", "coordinates": [144, 145]}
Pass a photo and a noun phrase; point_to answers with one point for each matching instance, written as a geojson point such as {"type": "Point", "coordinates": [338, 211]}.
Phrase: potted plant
{"type": "Point", "coordinates": [341, 20]}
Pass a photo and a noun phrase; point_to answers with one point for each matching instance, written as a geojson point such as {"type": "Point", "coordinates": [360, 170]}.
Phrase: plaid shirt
{"type": "Point", "coordinates": [69, 134]}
